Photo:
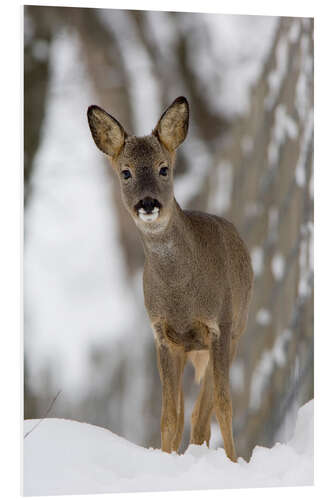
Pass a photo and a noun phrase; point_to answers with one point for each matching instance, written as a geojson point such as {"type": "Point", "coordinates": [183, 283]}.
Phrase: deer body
{"type": "Point", "coordinates": [197, 276]}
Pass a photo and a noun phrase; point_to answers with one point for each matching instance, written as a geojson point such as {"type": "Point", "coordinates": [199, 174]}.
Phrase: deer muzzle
{"type": "Point", "coordinates": [148, 209]}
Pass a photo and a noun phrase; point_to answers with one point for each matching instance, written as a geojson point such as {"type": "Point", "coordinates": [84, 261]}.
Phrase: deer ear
{"type": "Point", "coordinates": [172, 127]}
{"type": "Point", "coordinates": [108, 134]}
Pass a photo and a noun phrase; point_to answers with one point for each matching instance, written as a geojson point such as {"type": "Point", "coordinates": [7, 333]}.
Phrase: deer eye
{"type": "Point", "coordinates": [126, 174]}
{"type": "Point", "coordinates": [164, 171]}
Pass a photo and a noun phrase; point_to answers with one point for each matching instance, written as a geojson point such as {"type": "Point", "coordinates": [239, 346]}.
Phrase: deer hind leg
{"type": "Point", "coordinates": [171, 366]}
{"type": "Point", "coordinates": [200, 428]}
{"type": "Point", "coordinates": [220, 355]}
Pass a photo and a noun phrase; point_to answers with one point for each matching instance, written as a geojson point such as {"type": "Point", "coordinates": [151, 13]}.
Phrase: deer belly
{"type": "Point", "coordinates": [194, 337]}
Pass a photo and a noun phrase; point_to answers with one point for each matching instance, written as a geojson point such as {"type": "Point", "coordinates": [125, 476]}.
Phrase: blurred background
{"type": "Point", "coordinates": [248, 156]}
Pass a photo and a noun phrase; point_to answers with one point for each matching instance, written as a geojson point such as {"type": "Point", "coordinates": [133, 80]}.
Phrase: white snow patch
{"type": "Point", "coordinates": [265, 367]}
{"type": "Point", "coordinates": [273, 222]}
{"type": "Point", "coordinates": [295, 31]}
{"type": "Point", "coordinates": [303, 285]}
{"type": "Point", "coordinates": [310, 229]}
{"type": "Point", "coordinates": [63, 457]}
{"type": "Point", "coordinates": [304, 106]}
{"type": "Point", "coordinates": [257, 257]}
{"type": "Point", "coordinates": [278, 265]}
{"type": "Point", "coordinates": [276, 76]}
{"type": "Point", "coordinates": [284, 127]}
{"type": "Point", "coordinates": [219, 201]}
{"type": "Point", "coordinates": [300, 171]}
{"type": "Point", "coordinates": [304, 87]}
{"type": "Point", "coordinates": [311, 186]}
{"type": "Point", "coordinates": [263, 317]}
{"type": "Point", "coordinates": [199, 161]}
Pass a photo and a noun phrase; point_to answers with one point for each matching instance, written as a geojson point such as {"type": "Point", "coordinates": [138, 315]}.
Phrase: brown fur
{"type": "Point", "coordinates": [197, 276]}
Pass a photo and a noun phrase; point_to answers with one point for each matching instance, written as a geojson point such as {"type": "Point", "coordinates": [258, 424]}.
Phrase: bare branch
{"type": "Point", "coordinates": [46, 414]}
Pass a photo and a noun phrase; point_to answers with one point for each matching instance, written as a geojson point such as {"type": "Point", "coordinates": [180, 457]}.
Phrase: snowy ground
{"type": "Point", "coordinates": [66, 457]}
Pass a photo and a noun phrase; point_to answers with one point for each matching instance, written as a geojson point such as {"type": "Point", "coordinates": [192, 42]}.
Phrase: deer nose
{"type": "Point", "coordinates": [148, 204]}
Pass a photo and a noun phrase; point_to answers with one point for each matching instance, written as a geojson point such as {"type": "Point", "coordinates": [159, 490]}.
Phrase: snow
{"type": "Point", "coordinates": [300, 171]}
{"type": "Point", "coordinates": [304, 287]}
{"type": "Point", "coordinates": [263, 317]}
{"type": "Point", "coordinates": [295, 31]}
{"type": "Point", "coordinates": [143, 87]}
{"type": "Point", "coordinates": [277, 75]}
{"type": "Point", "coordinates": [219, 201]}
{"type": "Point", "coordinates": [226, 66]}
{"type": "Point", "coordinates": [269, 360]}
{"type": "Point", "coordinates": [161, 31]}
{"type": "Point", "coordinates": [273, 222]}
{"type": "Point", "coordinates": [284, 127]}
{"type": "Point", "coordinates": [66, 457]}
{"type": "Point", "coordinates": [188, 185]}
{"type": "Point", "coordinates": [257, 257]}
{"type": "Point", "coordinates": [278, 265]}
{"type": "Point", "coordinates": [304, 87]}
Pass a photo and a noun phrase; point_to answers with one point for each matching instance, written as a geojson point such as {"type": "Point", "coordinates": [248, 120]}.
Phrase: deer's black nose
{"type": "Point", "coordinates": [148, 204]}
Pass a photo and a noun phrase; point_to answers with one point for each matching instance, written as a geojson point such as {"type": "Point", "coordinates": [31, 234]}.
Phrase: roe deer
{"type": "Point", "coordinates": [197, 277]}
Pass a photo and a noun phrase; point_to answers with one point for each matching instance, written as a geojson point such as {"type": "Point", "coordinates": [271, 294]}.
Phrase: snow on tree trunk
{"type": "Point", "coordinates": [271, 154]}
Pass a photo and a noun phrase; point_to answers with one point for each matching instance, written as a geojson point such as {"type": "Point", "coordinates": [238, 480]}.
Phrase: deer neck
{"type": "Point", "coordinates": [170, 245]}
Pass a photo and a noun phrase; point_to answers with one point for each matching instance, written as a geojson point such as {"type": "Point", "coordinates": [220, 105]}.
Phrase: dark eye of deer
{"type": "Point", "coordinates": [164, 171]}
{"type": "Point", "coordinates": [126, 174]}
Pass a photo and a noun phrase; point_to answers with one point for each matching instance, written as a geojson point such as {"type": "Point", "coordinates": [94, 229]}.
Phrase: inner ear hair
{"type": "Point", "coordinates": [107, 132]}
{"type": "Point", "coordinates": [172, 127]}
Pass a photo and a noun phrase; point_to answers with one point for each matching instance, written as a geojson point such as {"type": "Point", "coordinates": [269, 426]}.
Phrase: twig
{"type": "Point", "coordinates": [46, 414]}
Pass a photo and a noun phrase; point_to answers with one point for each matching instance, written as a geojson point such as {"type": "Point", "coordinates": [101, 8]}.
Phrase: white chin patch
{"type": "Point", "coordinates": [149, 217]}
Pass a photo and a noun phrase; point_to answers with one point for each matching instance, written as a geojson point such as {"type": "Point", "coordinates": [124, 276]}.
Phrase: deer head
{"type": "Point", "coordinates": [144, 165]}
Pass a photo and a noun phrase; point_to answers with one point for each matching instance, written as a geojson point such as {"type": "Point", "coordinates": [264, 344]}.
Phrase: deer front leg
{"type": "Point", "coordinates": [220, 357]}
{"type": "Point", "coordinates": [171, 363]}
{"type": "Point", "coordinates": [180, 419]}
